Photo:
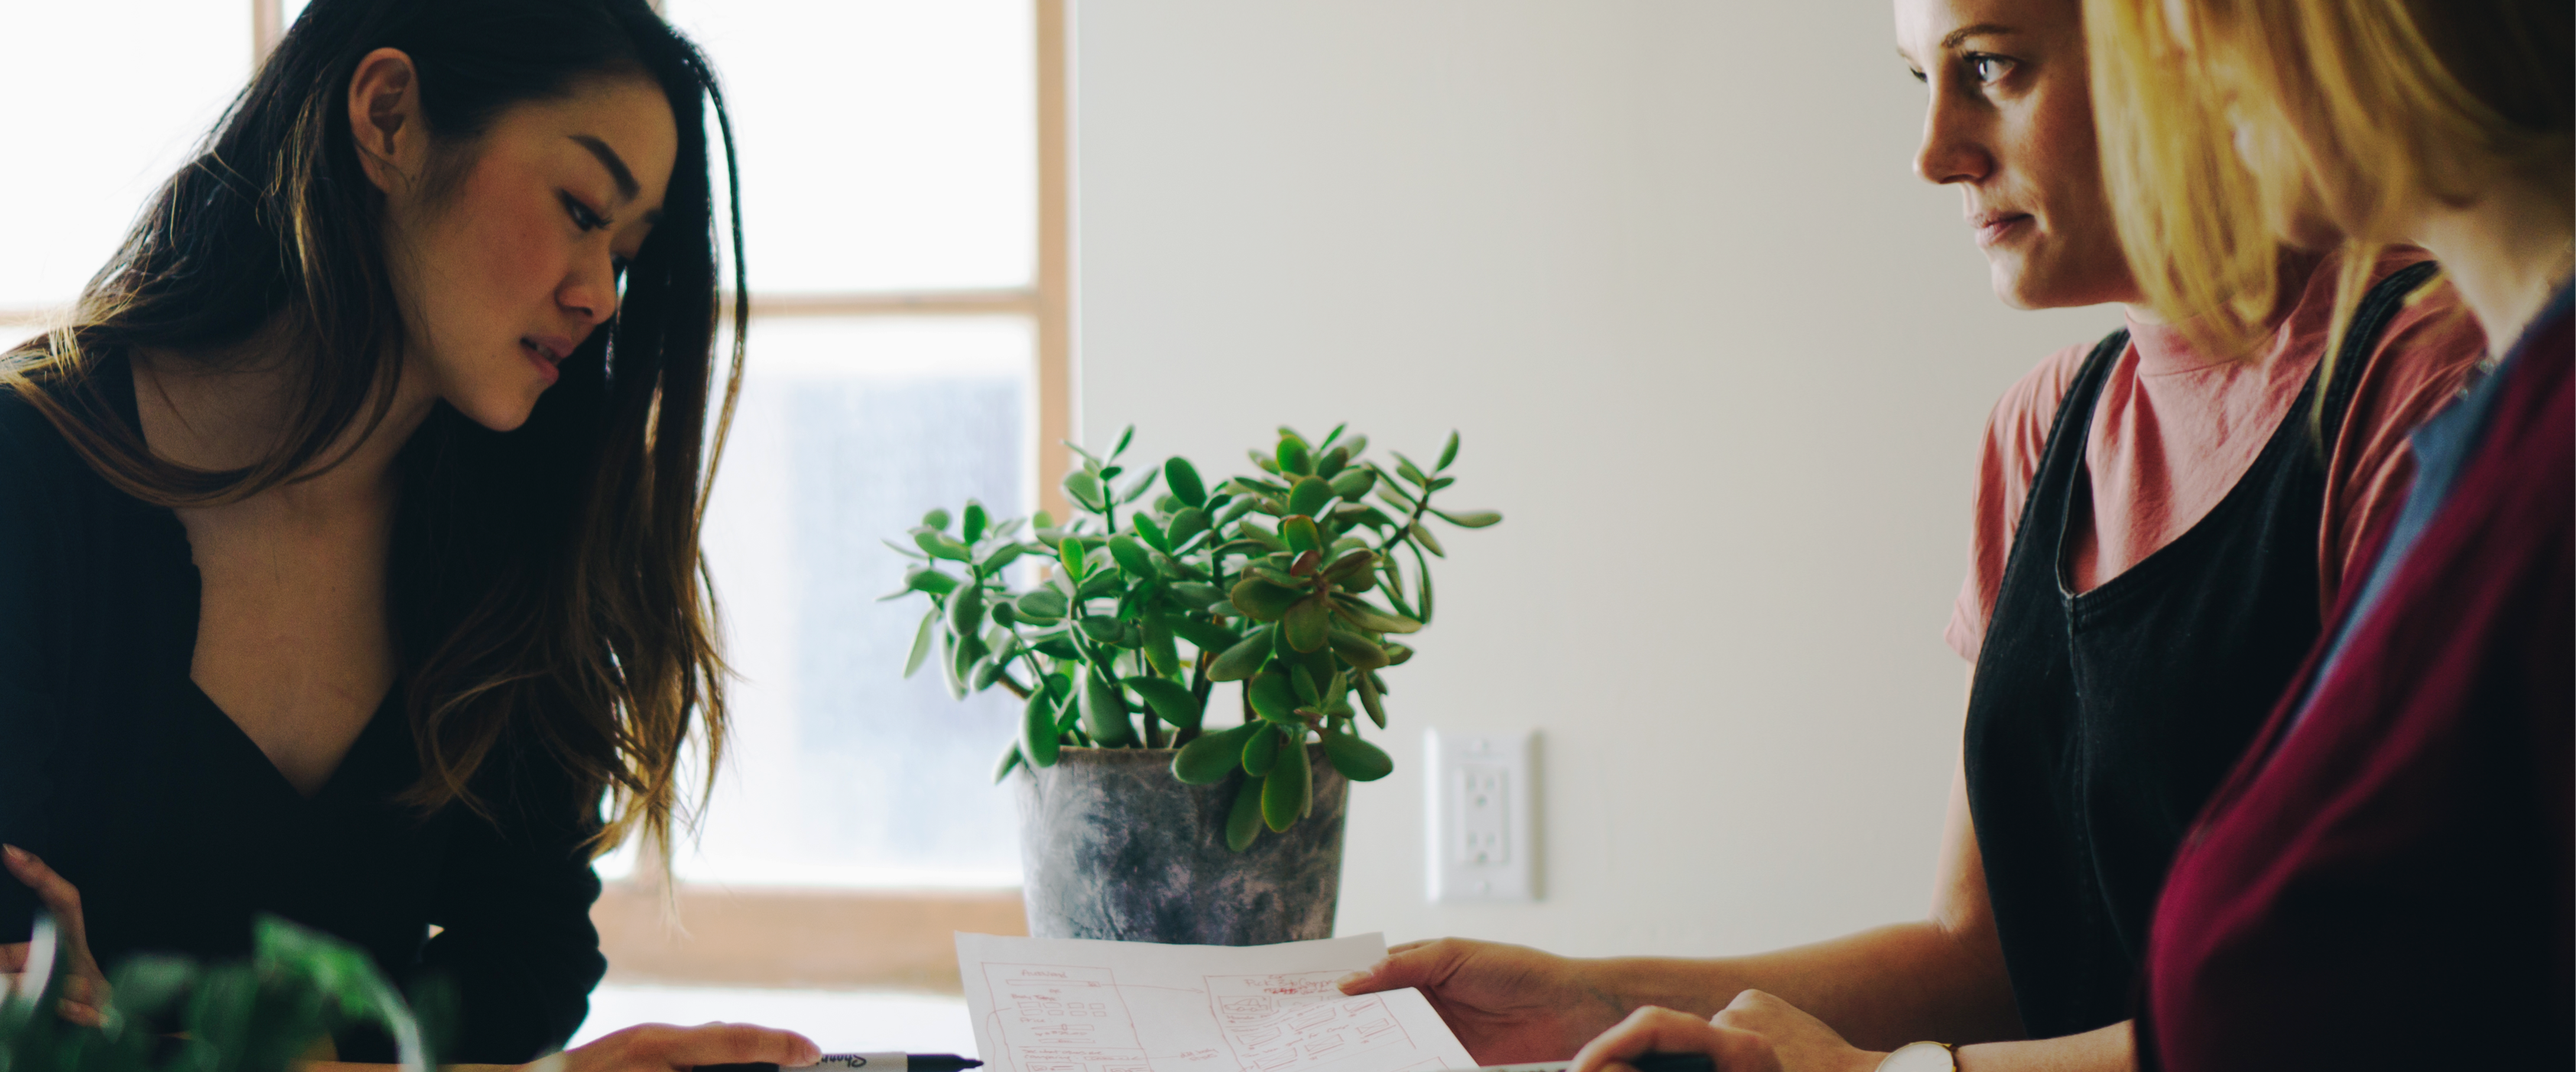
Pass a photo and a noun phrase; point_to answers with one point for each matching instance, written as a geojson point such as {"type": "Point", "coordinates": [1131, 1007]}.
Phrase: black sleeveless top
{"type": "Point", "coordinates": [120, 773]}
{"type": "Point", "coordinates": [2101, 722]}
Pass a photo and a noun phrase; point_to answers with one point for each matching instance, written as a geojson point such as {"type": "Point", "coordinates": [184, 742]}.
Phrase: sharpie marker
{"type": "Point", "coordinates": [879, 1062]}
{"type": "Point", "coordinates": [1653, 1062]}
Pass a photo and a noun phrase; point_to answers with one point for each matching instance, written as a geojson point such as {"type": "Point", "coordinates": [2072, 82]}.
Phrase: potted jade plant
{"type": "Point", "coordinates": [1145, 789]}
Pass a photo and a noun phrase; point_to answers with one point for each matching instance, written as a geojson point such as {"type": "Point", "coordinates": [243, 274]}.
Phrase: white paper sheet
{"type": "Point", "coordinates": [1073, 1005]}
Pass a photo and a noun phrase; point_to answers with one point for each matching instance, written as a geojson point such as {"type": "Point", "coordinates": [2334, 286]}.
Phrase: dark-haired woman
{"type": "Point", "coordinates": [348, 531]}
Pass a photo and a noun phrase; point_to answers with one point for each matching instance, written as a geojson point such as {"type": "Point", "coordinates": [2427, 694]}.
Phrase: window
{"type": "Point", "coordinates": [903, 165]}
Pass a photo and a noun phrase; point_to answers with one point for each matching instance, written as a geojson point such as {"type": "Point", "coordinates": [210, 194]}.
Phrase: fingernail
{"type": "Point", "coordinates": [15, 853]}
{"type": "Point", "coordinates": [1348, 981]}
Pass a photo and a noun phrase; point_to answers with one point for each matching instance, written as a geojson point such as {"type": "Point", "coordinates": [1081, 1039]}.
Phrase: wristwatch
{"type": "Point", "coordinates": [1921, 1057]}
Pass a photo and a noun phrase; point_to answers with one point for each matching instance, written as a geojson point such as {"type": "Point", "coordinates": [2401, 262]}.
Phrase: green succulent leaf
{"type": "Point", "coordinates": [1260, 750]}
{"type": "Point", "coordinates": [1358, 760]}
{"type": "Point", "coordinates": [1448, 453]}
{"type": "Point", "coordinates": [1198, 595]}
{"type": "Point", "coordinates": [1131, 555]}
{"type": "Point", "coordinates": [935, 519]}
{"type": "Point", "coordinates": [1002, 556]}
{"type": "Point", "coordinates": [1293, 457]}
{"type": "Point", "coordinates": [940, 544]}
{"type": "Point", "coordinates": [1354, 484]}
{"type": "Point", "coordinates": [1151, 533]}
{"type": "Point", "coordinates": [1308, 621]}
{"type": "Point", "coordinates": [1367, 618]}
{"type": "Point", "coordinates": [1010, 761]}
{"type": "Point", "coordinates": [1470, 519]}
{"type": "Point", "coordinates": [1207, 759]}
{"type": "Point", "coordinates": [1043, 605]}
{"type": "Point", "coordinates": [1405, 468]}
{"type": "Point", "coordinates": [1273, 698]}
{"type": "Point", "coordinates": [1038, 742]}
{"type": "Point", "coordinates": [1350, 566]}
{"type": "Point", "coordinates": [1422, 535]}
{"type": "Point", "coordinates": [1205, 635]}
{"type": "Point", "coordinates": [1084, 487]}
{"type": "Point", "coordinates": [1100, 628]}
{"type": "Point", "coordinates": [1244, 659]}
{"type": "Point", "coordinates": [972, 528]}
{"type": "Point", "coordinates": [929, 579]}
{"type": "Point", "coordinates": [1301, 534]}
{"type": "Point", "coordinates": [1243, 823]}
{"type": "Point", "coordinates": [1055, 645]}
{"type": "Point", "coordinates": [1233, 512]}
{"type": "Point", "coordinates": [1004, 613]}
{"type": "Point", "coordinates": [1171, 701]}
{"type": "Point", "coordinates": [1304, 684]}
{"type": "Point", "coordinates": [966, 609]}
{"type": "Point", "coordinates": [1187, 523]}
{"type": "Point", "coordinates": [1332, 462]}
{"type": "Point", "coordinates": [1370, 701]}
{"type": "Point", "coordinates": [1357, 650]}
{"type": "Point", "coordinates": [1104, 712]}
{"type": "Point", "coordinates": [1124, 437]}
{"type": "Point", "coordinates": [921, 643]}
{"type": "Point", "coordinates": [1160, 652]}
{"type": "Point", "coordinates": [1263, 600]}
{"type": "Point", "coordinates": [1309, 495]}
{"type": "Point", "coordinates": [1288, 790]}
{"type": "Point", "coordinates": [1183, 478]}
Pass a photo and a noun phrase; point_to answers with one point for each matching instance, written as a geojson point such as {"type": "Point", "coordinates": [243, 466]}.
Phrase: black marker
{"type": "Point", "coordinates": [873, 1062]}
{"type": "Point", "coordinates": [1653, 1062]}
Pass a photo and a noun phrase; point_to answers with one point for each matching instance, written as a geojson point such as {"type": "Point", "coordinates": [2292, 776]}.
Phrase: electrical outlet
{"type": "Point", "coordinates": [1482, 808]}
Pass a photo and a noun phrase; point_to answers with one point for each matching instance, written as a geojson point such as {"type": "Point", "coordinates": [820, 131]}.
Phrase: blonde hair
{"type": "Point", "coordinates": [2382, 104]}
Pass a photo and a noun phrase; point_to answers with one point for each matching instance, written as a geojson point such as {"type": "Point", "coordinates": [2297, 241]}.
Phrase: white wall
{"type": "Point", "coordinates": [1717, 354]}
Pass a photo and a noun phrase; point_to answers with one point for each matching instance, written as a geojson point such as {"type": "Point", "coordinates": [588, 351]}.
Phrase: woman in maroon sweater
{"type": "Point", "coordinates": [2385, 880]}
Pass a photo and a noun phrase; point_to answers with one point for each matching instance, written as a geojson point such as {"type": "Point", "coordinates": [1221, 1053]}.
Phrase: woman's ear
{"type": "Point", "coordinates": [384, 119]}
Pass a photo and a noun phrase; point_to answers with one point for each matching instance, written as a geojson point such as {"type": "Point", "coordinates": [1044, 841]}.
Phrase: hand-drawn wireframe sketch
{"type": "Point", "coordinates": [1300, 1020]}
{"type": "Point", "coordinates": [1072, 1005]}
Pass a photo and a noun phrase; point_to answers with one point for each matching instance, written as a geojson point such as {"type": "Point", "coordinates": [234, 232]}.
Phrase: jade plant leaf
{"type": "Point", "coordinates": [921, 643]}
{"type": "Point", "coordinates": [1037, 729]}
{"type": "Point", "coordinates": [1358, 760]}
{"type": "Point", "coordinates": [1171, 701]}
{"type": "Point", "coordinates": [1183, 478]}
{"type": "Point", "coordinates": [1263, 600]}
{"type": "Point", "coordinates": [1104, 712]}
{"type": "Point", "coordinates": [1206, 760]}
{"type": "Point", "coordinates": [1289, 789]}
{"type": "Point", "coordinates": [1309, 495]}
{"type": "Point", "coordinates": [1260, 750]}
{"type": "Point", "coordinates": [1244, 659]}
{"type": "Point", "coordinates": [1308, 622]}
{"type": "Point", "coordinates": [1243, 823]}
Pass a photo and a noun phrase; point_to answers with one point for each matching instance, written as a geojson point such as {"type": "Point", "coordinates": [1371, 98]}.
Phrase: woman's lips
{"type": "Point", "coordinates": [1995, 227]}
{"type": "Point", "coordinates": [543, 357]}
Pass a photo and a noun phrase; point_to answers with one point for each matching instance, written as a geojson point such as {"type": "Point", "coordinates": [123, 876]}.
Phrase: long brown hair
{"type": "Point", "coordinates": [546, 584]}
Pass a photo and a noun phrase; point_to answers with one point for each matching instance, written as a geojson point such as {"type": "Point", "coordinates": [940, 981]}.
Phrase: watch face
{"type": "Point", "coordinates": [1920, 1057]}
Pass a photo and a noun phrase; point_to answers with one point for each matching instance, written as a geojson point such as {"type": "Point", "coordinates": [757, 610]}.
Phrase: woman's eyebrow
{"type": "Point", "coordinates": [608, 158]}
{"type": "Point", "coordinates": [1983, 29]}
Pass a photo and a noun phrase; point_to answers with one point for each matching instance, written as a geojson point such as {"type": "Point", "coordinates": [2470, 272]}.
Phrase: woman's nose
{"type": "Point", "coordinates": [591, 292]}
{"type": "Point", "coordinates": [1951, 151]}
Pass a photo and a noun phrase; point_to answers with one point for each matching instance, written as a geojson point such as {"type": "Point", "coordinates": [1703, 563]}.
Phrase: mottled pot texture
{"type": "Point", "coordinates": [1112, 846]}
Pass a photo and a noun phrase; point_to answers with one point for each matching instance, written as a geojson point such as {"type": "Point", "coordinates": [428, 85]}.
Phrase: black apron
{"type": "Point", "coordinates": [2099, 723]}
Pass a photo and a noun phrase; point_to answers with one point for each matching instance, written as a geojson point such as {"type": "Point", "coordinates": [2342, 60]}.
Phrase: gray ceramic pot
{"type": "Point", "coordinates": [1112, 846]}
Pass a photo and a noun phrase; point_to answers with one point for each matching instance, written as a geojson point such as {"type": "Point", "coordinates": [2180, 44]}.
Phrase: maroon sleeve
{"type": "Point", "coordinates": [2386, 882]}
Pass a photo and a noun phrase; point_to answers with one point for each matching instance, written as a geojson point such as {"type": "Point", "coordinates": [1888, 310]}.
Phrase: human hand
{"type": "Point", "coordinates": [84, 1000]}
{"type": "Point", "coordinates": [1801, 1042]}
{"type": "Point", "coordinates": [1659, 1030]}
{"type": "Point", "coordinates": [1507, 1004]}
{"type": "Point", "coordinates": [664, 1048]}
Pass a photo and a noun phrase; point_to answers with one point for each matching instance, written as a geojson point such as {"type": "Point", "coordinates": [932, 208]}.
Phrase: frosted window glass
{"type": "Point", "coordinates": [99, 104]}
{"type": "Point", "coordinates": [886, 144]}
{"type": "Point", "coordinates": [841, 772]}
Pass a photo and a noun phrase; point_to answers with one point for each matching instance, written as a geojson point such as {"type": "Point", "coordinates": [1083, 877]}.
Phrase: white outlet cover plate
{"type": "Point", "coordinates": [1482, 797]}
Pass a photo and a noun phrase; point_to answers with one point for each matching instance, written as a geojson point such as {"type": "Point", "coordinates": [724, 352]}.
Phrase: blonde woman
{"type": "Point", "coordinates": [2385, 882]}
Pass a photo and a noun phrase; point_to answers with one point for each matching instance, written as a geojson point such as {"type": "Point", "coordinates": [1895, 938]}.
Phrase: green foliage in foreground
{"type": "Point", "coordinates": [1150, 599]}
{"type": "Point", "coordinates": [259, 1015]}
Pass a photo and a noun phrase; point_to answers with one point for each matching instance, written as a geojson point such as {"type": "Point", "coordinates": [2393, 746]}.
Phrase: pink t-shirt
{"type": "Point", "coordinates": [2175, 429]}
